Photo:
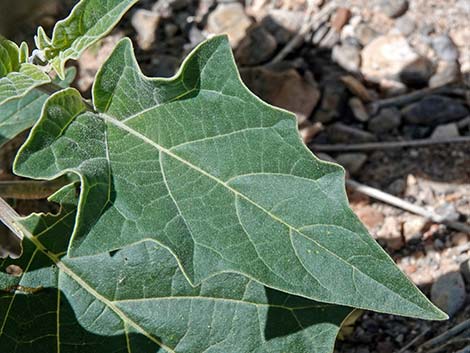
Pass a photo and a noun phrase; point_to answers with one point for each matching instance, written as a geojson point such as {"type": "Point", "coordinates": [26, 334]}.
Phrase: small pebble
{"type": "Point", "coordinates": [393, 8]}
{"type": "Point", "coordinates": [448, 293]}
{"type": "Point", "coordinates": [358, 109]}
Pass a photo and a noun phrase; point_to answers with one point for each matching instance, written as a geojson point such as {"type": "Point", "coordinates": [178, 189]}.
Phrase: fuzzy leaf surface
{"type": "Point", "coordinates": [202, 167]}
{"type": "Point", "coordinates": [9, 57]}
{"type": "Point", "coordinates": [17, 77]}
{"type": "Point", "coordinates": [89, 21]}
{"type": "Point", "coordinates": [21, 113]}
{"type": "Point", "coordinates": [137, 300]}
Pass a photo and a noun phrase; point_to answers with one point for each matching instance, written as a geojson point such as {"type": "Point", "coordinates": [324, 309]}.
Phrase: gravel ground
{"type": "Point", "coordinates": [332, 80]}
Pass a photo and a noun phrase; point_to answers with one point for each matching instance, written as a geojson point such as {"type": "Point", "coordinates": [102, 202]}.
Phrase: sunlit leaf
{"type": "Point", "coordinates": [89, 21]}
{"type": "Point", "coordinates": [199, 165]}
{"type": "Point", "coordinates": [20, 114]}
{"type": "Point", "coordinates": [137, 300]}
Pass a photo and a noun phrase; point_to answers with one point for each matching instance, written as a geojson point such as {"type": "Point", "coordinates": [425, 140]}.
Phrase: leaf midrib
{"type": "Point", "coordinates": [69, 272]}
{"type": "Point", "coordinates": [162, 149]}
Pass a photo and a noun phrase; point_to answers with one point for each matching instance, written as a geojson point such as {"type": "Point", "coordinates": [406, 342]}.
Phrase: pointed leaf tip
{"type": "Point", "coordinates": [200, 166]}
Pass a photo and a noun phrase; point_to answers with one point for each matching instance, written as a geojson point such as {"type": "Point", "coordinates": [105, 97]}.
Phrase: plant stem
{"type": "Point", "coordinates": [30, 189]}
{"type": "Point", "coordinates": [10, 242]}
{"type": "Point", "coordinates": [51, 88]}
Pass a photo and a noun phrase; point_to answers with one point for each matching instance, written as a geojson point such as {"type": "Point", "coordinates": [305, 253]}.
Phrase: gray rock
{"type": "Point", "coordinates": [393, 8]}
{"type": "Point", "coordinates": [283, 24]}
{"type": "Point", "coordinates": [365, 34]}
{"type": "Point", "coordinates": [358, 109]}
{"type": "Point", "coordinates": [347, 56]}
{"type": "Point", "coordinates": [445, 48]}
{"type": "Point", "coordinates": [387, 57]}
{"type": "Point", "coordinates": [445, 131]}
{"type": "Point", "coordinates": [257, 47]}
{"type": "Point", "coordinates": [386, 120]}
{"type": "Point", "coordinates": [446, 72]}
{"type": "Point", "coordinates": [434, 110]}
{"type": "Point", "coordinates": [448, 211]}
{"type": "Point", "coordinates": [397, 187]}
{"type": "Point", "coordinates": [448, 293]}
{"type": "Point", "coordinates": [352, 162]}
{"type": "Point", "coordinates": [342, 133]}
{"type": "Point", "coordinates": [405, 25]}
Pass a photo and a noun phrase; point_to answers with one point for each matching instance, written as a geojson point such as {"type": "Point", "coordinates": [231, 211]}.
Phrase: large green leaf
{"type": "Point", "coordinates": [137, 300]}
{"type": "Point", "coordinates": [21, 113]}
{"type": "Point", "coordinates": [89, 21]}
{"type": "Point", "coordinates": [17, 77]}
{"type": "Point", "coordinates": [199, 165]}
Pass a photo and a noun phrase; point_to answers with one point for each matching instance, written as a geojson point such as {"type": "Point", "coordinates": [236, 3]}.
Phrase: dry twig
{"type": "Point", "coordinates": [446, 336]}
{"type": "Point", "coordinates": [415, 340]}
{"type": "Point", "coordinates": [407, 206]}
{"type": "Point", "coordinates": [10, 242]}
{"type": "Point", "coordinates": [387, 145]}
{"type": "Point", "coordinates": [30, 189]}
{"type": "Point", "coordinates": [308, 25]}
{"type": "Point", "coordinates": [414, 96]}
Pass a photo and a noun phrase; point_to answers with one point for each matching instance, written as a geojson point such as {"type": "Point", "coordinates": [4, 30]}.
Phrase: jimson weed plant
{"type": "Point", "coordinates": [195, 219]}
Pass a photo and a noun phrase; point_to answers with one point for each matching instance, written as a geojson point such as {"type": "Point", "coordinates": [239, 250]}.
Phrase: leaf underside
{"type": "Point", "coordinates": [138, 300]}
{"type": "Point", "coordinates": [199, 165]}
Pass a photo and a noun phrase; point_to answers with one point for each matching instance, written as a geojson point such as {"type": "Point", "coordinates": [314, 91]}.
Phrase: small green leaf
{"type": "Point", "coordinates": [24, 52]}
{"type": "Point", "coordinates": [17, 84]}
{"type": "Point", "coordinates": [9, 57]}
{"type": "Point", "coordinates": [89, 21]}
{"type": "Point", "coordinates": [137, 300]}
{"type": "Point", "coordinates": [201, 166]}
{"type": "Point", "coordinates": [17, 77]}
{"type": "Point", "coordinates": [20, 114]}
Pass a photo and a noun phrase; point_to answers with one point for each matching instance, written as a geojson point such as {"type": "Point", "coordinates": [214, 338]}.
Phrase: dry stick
{"type": "Point", "coordinates": [30, 189]}
{"type": "Point", "coordinates": [415, 340]}
{"type": "Point", "coordinates": [444, 337]}
{"type": "Point", "coordinates": [10, 242]}
{"type": "Point", "coordinates": [407, 206]}
{"type": "Point", "coordinates": [413, 97]}
{"type": "Point", "coordinates": [8, 217]}
{"type": "Point", "coordinates": [306, 27]}
{"type": "Point", "coordinates": [387, 145]}
{"type": "Point", "coordinates": [443, 348]}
